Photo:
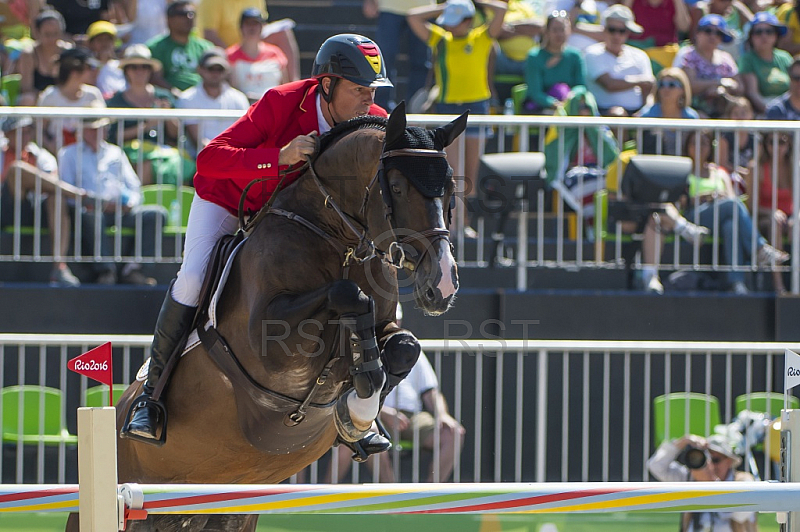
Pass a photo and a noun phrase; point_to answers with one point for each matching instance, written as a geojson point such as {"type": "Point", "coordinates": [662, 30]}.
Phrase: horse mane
{"type": "Point", "coordinates": [343, 128]}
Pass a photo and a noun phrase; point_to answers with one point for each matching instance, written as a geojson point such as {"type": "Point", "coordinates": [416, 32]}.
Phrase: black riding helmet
{"type": "Point", "coordinates": [352, 57]}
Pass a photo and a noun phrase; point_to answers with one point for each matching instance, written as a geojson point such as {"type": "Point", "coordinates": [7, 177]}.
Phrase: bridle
{"type": "Point", "coordinates": [401, 254]}
{"type": "Point", "coordinates": [397, 255]}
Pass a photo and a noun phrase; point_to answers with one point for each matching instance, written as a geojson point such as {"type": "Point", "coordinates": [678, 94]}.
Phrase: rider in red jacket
{"type": "Point", "coordinates": [276, 133]}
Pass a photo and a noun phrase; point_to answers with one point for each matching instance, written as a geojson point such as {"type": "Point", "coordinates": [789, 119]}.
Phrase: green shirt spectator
{"type": "Point", "coordinates": [765, 67]}
{"type": "Point", "coordinates": [543, 70]}
{"type": "Point", "coordinates": [180, 49]}
{"type": "Point", "coordinates": [179, 60]}
{"type": "Point", "coordinates": [772, 76]}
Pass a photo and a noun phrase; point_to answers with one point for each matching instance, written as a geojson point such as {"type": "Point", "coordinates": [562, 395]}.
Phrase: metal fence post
{"type": "Point", "coordinates": [790, 465]}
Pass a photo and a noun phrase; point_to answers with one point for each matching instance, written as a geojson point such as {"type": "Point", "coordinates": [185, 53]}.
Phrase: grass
{"type": "Point", "coordinates": [612, 522]}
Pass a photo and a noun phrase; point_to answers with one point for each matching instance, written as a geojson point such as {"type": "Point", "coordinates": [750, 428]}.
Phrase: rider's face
{"type": "Point", "coordinates": [351, 100]}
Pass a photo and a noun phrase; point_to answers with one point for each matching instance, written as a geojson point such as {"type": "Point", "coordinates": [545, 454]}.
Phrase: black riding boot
{"type": "Point", "coordinates": [173, 321]}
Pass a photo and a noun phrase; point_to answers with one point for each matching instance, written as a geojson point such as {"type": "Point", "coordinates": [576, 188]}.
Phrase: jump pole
{"type": "Point", "coordinates": [99, 505]}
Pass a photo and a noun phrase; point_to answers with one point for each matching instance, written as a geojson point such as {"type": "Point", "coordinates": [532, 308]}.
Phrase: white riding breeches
{"type": "Point", "coordinates": [208, 222]}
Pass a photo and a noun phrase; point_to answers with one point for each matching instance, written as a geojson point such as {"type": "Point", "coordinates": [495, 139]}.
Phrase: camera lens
{"type": "Point", "coordinates": [695, 458]}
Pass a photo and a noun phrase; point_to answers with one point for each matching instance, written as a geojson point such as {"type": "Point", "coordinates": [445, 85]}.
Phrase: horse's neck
{"type": "Point", "coordinates": [307, 199]}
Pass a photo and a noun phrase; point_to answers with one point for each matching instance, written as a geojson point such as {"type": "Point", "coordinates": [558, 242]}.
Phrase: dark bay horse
{"type": "Point", "coordinates": [310, 298]}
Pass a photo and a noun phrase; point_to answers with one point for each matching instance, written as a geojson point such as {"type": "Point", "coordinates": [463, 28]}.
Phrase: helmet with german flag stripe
{"type": "Point", "coordinates": [352, 57]}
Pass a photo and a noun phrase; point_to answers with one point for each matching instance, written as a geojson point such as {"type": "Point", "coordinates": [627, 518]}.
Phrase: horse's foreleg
{"type": "Point", "coordinates": [360, 406]}
{"type": "Point", "coordinates": [344, 301]}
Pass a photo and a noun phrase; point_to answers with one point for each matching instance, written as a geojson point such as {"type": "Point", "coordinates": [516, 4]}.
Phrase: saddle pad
{"type": "Point", "coordinates": [194, 339]}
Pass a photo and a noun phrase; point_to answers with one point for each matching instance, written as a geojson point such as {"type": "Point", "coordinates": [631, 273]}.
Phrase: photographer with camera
{"type": "Point", "coordinates": [697, 459]}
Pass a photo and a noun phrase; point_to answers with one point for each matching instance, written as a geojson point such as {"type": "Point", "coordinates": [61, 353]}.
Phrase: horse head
{"type": "Point", "coordinates": [416, 184]}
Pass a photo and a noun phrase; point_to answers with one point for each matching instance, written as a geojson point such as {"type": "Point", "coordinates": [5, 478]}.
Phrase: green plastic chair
{"type": "Point", "coordinates": [518, 94]}
{"type": "Point", "coordinates": [703, 415]}
{"type": "Point", "coordinates": [34, 398]}
{"type": "Point", "coordinates": [768, 402]}
{"type": "Point", "coordinates": [10, 87]}
{"type": "Point", "coordinates": [164, 195]}
{"type": "Point", "coordinates": [98, 395]}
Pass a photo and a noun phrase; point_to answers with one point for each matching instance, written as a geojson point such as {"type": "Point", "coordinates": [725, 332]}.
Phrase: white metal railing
{"type": "Point", "coordinates": [533, 410]}
{"type": "Point", "coordinates": [558, 239]}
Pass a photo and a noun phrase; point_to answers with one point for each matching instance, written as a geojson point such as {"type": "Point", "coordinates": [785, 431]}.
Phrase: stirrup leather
{"type": "Point", "coordinates": [143, 401]}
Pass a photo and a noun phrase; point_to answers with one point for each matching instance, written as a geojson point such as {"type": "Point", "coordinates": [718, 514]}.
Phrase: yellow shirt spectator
{"type": "Point", "coordinates": [222, 16]}
{"type": "Point", "coordinates": [462, 64]}
{"type": "Point", "coordinates": [787, 16]}
{"type": "Point", "coordinates": [516, 48]}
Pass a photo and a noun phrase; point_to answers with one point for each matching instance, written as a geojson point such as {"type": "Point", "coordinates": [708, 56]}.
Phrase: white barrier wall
{"type": "Point", "coordinates": [533, 411]}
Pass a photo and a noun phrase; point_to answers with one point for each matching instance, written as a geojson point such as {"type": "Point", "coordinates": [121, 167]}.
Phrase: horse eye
{"type": "Point", "coordinates": [395, 189]}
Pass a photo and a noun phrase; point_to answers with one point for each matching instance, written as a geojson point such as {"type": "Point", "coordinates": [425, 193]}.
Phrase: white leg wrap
{"type": "Point", "coordinates": [354, 416]}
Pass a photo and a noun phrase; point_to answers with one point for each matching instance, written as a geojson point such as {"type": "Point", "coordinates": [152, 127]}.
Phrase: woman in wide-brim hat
{"type": "Point", "coordinates": [138, 67]}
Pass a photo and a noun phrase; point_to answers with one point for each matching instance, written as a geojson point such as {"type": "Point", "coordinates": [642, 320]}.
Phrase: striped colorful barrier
{"type": "Point", "coordinates": [38, 498]}
{"type": "Point", "coordinates": [502, 498]}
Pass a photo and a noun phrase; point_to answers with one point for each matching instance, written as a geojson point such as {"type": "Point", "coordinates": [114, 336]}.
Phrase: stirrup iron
{"type": "Point", "coordinates": [144, 400]}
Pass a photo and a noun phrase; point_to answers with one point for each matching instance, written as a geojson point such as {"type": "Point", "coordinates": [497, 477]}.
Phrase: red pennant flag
{"type": "Point", "coordinates": [95, 364]}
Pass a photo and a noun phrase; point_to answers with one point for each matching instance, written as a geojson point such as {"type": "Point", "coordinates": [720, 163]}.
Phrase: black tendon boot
{"type": "Point", "coordinates": [173, 321]}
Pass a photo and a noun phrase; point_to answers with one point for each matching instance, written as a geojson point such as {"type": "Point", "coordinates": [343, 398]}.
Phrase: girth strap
{"type": "Point", "coordinates": [221, 353]}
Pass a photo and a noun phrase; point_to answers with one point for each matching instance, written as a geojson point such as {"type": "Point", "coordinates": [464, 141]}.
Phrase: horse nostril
{"type": "Point", "coordinates": [430, 294]}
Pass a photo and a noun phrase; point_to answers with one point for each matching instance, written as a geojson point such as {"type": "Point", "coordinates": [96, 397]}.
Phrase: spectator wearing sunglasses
{"type": "Point", "coordinates": [618, 75]}
{"type": "Point", "coordinates": [719, 465]}
{"type": "Point", "coordinates": [179, 51]}
{"type": "Point", "coordinates": [712, 72]}
{"type": "Point", "coordinates": [736, 14]}
{"type": "Point", "coordinates": [673, 97]}
{"type": "Point", "coordinates": [765, 68]}
{"type": "Point", "coordinates": [213, 92]}
{"type": "Point", "coordinates": [787, 106]}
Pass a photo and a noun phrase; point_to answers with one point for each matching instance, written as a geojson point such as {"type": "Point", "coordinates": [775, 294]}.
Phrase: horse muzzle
{"type": "Point", "coordinates": [436, 279]}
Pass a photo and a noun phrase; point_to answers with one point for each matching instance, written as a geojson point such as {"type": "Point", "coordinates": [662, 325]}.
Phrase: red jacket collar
{"type": "Point", "coordinates": [308, 105]}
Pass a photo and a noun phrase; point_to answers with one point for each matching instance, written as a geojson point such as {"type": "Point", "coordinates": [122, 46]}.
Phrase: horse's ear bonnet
{"type": "Point", "coordinates": [429, 175]}
{"type": "Point", "coordinates": [445, 135]}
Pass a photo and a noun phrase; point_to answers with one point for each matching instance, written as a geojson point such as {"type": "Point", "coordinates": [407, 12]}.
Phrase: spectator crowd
{"type": "Point", "coordinates": [661, 59]}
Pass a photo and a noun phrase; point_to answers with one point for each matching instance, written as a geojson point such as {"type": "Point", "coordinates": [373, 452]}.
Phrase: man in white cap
{"type": "Point", "coordinates": [618, 75]}
{"type": "Point", "coordinates": [213, 92]}
{"type": "Point", "coordinates": [718, 463]}
{"type": "Point", "coordinates": [103, 170]}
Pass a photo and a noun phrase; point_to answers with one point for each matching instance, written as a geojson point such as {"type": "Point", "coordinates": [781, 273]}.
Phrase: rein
{"type": "Point", "coordinates": [247, 226]}
{"type": "Point", "coordinates": [396, 256]}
